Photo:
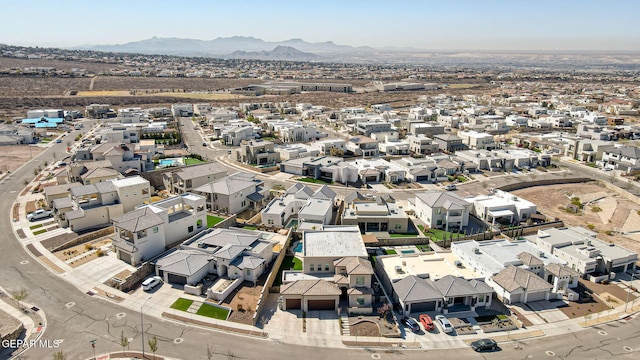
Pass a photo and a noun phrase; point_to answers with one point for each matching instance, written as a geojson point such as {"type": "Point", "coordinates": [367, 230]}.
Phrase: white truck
{"type": "Point", "coordinates": [39, 214]}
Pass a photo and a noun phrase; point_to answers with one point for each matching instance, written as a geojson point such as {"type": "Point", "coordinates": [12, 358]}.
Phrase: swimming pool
{"type": "Point", "coordinates": [168, 162]}
{"type": "Point", "coordinates": [298, 248]}
{"type": "Point", "coordinates": [407, 251]}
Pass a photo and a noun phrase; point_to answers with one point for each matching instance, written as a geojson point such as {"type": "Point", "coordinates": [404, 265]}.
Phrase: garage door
{"type": "Point", "coordinates": [536, 296]}
{"type": "Point", "coordinates": [293, 304]}
{"type": "Point", "coordinates": [369, 179]}
{"type": "Point", "coordinates": [322, 305]}
{"type": "Point", "coordinates": [515, 299]}
{"type": "Point", "coordinates": [423, 306]}
{"type": "Point", "coordinates": [177, 279]}
{"type": "Point", "coordinates": [125, 257]}
{"type": "Point", "coordinates": [422, 178]}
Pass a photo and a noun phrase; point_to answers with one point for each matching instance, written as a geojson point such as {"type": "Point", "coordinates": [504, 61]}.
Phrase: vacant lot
{"type": "Point", "coordinates": [606, 212]}
{"type": "Point", "coordinates": [12, 157]}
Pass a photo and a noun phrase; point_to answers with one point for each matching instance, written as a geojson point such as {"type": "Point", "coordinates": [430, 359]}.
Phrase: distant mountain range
{"type": "Point", "coordinates": [243, 47]}
{"type": "Point", "coordinates": [233, 47]}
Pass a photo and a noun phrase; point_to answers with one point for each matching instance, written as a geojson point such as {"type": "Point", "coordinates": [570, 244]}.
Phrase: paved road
{"type": "Point", "coordinates": [78, 318]}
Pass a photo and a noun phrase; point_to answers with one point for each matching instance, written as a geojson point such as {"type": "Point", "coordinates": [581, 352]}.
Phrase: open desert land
{"type": "Point", "coordinates": [606, 212]}
{"type": "Point", "coordinates": [13, 156]}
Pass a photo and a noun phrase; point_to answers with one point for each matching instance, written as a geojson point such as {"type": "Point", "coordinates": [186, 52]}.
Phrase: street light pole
{"type": "Point", "coordinates": [142, 324]}
{"type": "Point", "coordinates": [629, 294]}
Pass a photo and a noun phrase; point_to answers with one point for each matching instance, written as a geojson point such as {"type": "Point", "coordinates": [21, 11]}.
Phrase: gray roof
{"type": "Point", "coordinates": [443, 199]}
{"type": "Point", "coordinates": [227, 186]}
{"type": "Point", "coordinates": [183, 262]}
{"type": "Point", "coordinates": [222, 237]}
{"type": "Point", "coordinates": [632, 152]}
{"type": "Point", "coordinates": [413, 288]}
{"type": "Point", "coordinates": [124, 245]}
{"type": "Point", "coordinates": [139, 219]}
{"type": "Point", "coordinates": [310, 287]}
{"type": "Point", "coordinates": [192, 172]}
{"type": "Point", "coordinates": [529, 260]}
{"type": "Point", "coordinates": [255, 197]}
{"type": "Point", "coordinates": [513, 278]}
{"type": "Point", "coordinates": [230, 251]}
{"type": "Point", "coordinates": [60, 189]}
{"type": "Point", "coordinates": [84, 190]}
{"type": "Point", "coordinates": [452, 286]}
{"type": "Point", "coordinates": [247, 262]}
{"type": "Point", "coordinates": [62, 203]}
{"type": "Point", "coordinates": [74, 214]}
{"type": "Point", "coordinates": [105, 187]}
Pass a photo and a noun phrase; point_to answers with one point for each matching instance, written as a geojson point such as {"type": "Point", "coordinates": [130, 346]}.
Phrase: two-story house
{"type": "Point", "coordinates": [232, 194]}
{"type": "Point", "coordinates": [374, 213]}
{"type": "Point", "coordinates": [302, 203]}
{"type": "Point", "coordinates": [185, 179]}
{"type": "Point", "coordinates": [442, 210]}
{"type": "Point", "coordinates": [147, 231]}
{"type": "Point", "coordinates": [256, 152]}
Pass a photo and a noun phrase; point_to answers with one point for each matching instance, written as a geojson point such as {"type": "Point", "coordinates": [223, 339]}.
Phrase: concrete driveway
{"type": "Point", "coordinates": [323, 323]}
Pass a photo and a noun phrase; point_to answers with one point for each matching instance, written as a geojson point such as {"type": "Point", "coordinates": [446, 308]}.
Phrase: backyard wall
{"type": "Point", "coordinates": [136, 277]}
{"type": "Point", "coordinates": [84, 238]}
{"type": "Point", "coordinates": [226, 223]}
{"type": "Point", "coordinates": [527, 184]}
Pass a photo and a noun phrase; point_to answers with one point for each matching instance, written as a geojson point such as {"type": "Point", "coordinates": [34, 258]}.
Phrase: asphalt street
{"type": "Point", "coordinates": [79, 318]}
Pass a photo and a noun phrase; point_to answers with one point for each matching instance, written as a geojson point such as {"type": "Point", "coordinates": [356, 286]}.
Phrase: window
{"type": "Point", "coordinates": [359, 280]}
{"type": "Point", "coordinates": [248, 272]}
{"type": "Point", "coordinates": [155, 229]}
{"type": "Point", "coordinates": [360, 301]}
{"type": "Point", "coordinates": [142, 233]}
{"type": "Point", "coordinates": [190, 229]}
{"type": "Point", "coordinates": [481, 298]}
{"type": "Point", "coordinates": [270, 221]}
{"type": "Point", "coordinates": [199, 223]}
{"type": "Point", "coordinates": [311, 268]}
{"type": "Point", "coordinates": [326, 267]}
{"type": "Point", "coordinates": [398, 226]}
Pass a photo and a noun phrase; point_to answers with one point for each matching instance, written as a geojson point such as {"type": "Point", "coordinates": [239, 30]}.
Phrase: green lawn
{"type": "Point", "coordinates": [390, 252]}
{"type": "Point", "coordinates": [213, 312]}
{"type": "Point", "coordinates": [402, 235]}
{"type": "Point", "coordinates": [314, 181]}
{"type": "Point", "coordinates": [250, 227]}
{"type": "Point", "coordinates": [289, 262]}
{"type": "Point", "coordinates": [35, 226]}
{"type": "Point", "coordinates": [213, 220]}
{"type": "Point", "coordinates": [424, 248]}
{"type": "Point", "coordinates": [437, 234]}
{"type": "Point", "coordinates": [182, 304]}
{"type": "Point", "coordinates": [192, 161]}
{"type": "Point", "coordinates": [421, 227]}
{"type": "Point", "coordinates": [39, 232]}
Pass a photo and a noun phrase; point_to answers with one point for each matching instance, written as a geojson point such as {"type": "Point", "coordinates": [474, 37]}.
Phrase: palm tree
{"type": "Point", "coordinates": [124, 342]}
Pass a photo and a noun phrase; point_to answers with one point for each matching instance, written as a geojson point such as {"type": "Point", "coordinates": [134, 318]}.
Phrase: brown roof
{"type": "Point", "coordinates": [561, 270]}
{"type": "Point", "coordinates": [310, 287]}
{"type": "Point", "coordinates": [369, 239]}
{"type": "Point", "coordinates": [529, 260]}
{"type": "Point", "coordinates": [513, 278]}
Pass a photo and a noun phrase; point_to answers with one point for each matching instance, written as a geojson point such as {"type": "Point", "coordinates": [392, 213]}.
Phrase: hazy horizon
{"type": "Point", "coordinates": [461, 25]}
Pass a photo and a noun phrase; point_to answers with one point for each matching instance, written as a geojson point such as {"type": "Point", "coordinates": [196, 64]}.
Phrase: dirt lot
{"type": "Point", "coordinates": [11, 157]}
{"type": "Point", "coordinates": [612, 214]}
{"type": "Point", "coordinates": [245, 295]}
{"type": "Point", "coordinates": [610, 295]}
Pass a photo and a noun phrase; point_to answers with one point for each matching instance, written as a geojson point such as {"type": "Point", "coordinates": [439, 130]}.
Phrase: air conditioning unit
{"type": "Point", "coordinates": [476, 251]}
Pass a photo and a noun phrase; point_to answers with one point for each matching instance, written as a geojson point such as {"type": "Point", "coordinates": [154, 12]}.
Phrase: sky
{"type": "Point", "coordinates": [422, 24]}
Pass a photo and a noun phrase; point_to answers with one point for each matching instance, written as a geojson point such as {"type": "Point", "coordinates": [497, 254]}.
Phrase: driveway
{"type": "Point", "coordinates": [323, 323]}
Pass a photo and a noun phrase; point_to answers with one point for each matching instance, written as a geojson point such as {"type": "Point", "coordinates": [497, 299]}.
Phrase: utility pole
{"type": "Point", "coordinates": [93, 346]}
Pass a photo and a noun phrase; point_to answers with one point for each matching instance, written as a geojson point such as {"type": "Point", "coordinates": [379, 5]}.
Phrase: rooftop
{"type": "Point", "coordinates": [335, 242]}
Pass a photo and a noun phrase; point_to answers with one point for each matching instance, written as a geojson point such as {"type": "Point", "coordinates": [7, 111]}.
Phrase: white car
{"type": "Point", "coordinates": [151, 282]}
{"type": "Point", "coordinates": [444, 323]}
{"type": "Point", "coordinates": [39, 214]}
{"type": "Point", "coordinates": [450, 187]}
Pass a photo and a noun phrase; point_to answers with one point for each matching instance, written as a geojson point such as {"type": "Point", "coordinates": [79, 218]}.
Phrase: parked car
{"type": "Point", "coordinates": [444, 323]}
{"type": "Point", "coordinates": [426, 321]}
{"type": "Point", "coordinates": [411, 323]}
{"type": "Point", "coordinates": [484, 344]}
{"type": "Point", "coordinates": [58, 141]}
{"type": "Point", "coordinates": [151, 282]}
{"type": "Point", "coordinates": [204, 144]}
{"type": "Point", "coordinates": [450, 187]}
{"type": "Point", "coordinates": [39, 214]}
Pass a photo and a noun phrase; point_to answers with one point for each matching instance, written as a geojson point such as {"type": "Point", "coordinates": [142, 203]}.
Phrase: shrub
{"type": "Point", "coordinates": [596, 209]}
{"type": "Point", "coordinates": [591, 227]}
{"type": "Point", "coordinates": [88, 247]}
{"type": "Point", "coordinates": [100, 253]}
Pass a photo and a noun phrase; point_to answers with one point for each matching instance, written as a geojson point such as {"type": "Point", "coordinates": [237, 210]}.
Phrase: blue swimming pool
{"type": "Point", "coordinates": [407, 251]}
{"type": "Point", "coordinates": [167, 162]}
{"type": "Point", "coordinates": [298, 248]}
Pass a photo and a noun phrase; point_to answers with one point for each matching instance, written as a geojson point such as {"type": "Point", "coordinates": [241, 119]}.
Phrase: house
{"type": "Point", "coordinates": [96, 205]}
{"type": "Point", "coordinates": [501, 206]}
{"type": "Point", "coordinates": [334, 147]}
{"type": "Point", "coordinates": [182, 110]}
{"type": "Point", "coordinates": [301, 202]}
{"type": "Point", "coordinates": [185, 179]}
{"type": "Point", "coordinates": [232, 194]}
{"type": "Point", "coordinates": [421, 169]}
{"type": "Point", "coordinates": [366, 128]}
{"type": "Point", "coordinates": [449, 142]}
{"type": "Point", "coordinates": [477, 140]}
{"type": "Point", "coordinates": [234, 135]}
{"type": "Point", "coordinates": [59, 191]}
{"type": "Point", "coordinates": [232, 254]}
{"type": "Point", "coordinates": [363, 146]}
{"type": "Point", "coordinates": [335, 267]}
{"type": "Point", "coordinates": [148, 230]}
{"type": "Point", "coordinates": [256, 152]}
{"type": "Point", "coordinates": [374, 213]}
{"type": "Point", "coordinates": [428, 130]}
{"type": "Point", "coordinates": [378, 170]}
{"type": "Point", "coordinates": [585, 253]}
{"type": "Point", "coordinates": [447, 294]}
{"type": "Point", "coordinates": [588, 150]}
{"type": "Point", "coordinates": [421, 144]}
{"type": "Point", "coordinates": [442, 210]}
{"type": "Point", "coordinates": [625, 158]}
{"type": "Point", "coordinates": [327, 168]}
{"type": "Point", "coordinates": [123, 157]}
{"type": "Point", "coordinates": [295, 151]}
{"type": "Point", "coordinates": [517, 285]}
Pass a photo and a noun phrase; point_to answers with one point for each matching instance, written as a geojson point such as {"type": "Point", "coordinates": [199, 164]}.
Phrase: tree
{"type": "Point", "coordinates": [124, 342]}
{"type": "Point", "coordinates": [384, 310]}
{"type": "Point", "coordinates": [59, 355]}
{"type": "Point", "coordinates": [153, 346]}
{"type": "Point", "coordinates": [19, 295]}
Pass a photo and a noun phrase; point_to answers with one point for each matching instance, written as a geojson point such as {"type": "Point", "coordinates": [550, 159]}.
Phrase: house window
{"type": "Point", "coordinates": [142, 233]}
{"type": "Point", "coordinates": [359, 280]}
{"type": "Point", "coordinates": [326, 267]}
{"type": "Point", "coordinates": [311, 267]}
{"type": "Point", "coordinates": [199, 223]}
{"type": "Point", "coordinates": [248, 272]}
{"type": "Point", "coordinates": [481, 298]}
{"type": "Point", "coordinates": [439, 211]}
{"type": "Point", "coordinates": [398, 226]}
{"type": "Point", "coordinates": [270, 221]}
{"type": "Point", "coordinates": [190, 228]}
{"type": "Point", "coordinates": [155, 229]}
{"type": "Point", "coordinates": [244, 203]}
{"type": "Point", "coordinates": [360, 301]}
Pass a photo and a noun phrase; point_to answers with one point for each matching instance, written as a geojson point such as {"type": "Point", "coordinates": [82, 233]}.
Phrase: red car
{"type": "Point", "coordinates": [426, 322]}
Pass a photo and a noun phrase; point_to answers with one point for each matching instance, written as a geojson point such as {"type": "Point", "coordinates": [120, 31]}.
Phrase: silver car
{"type": "Point", "coordinates": [444, 323]}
